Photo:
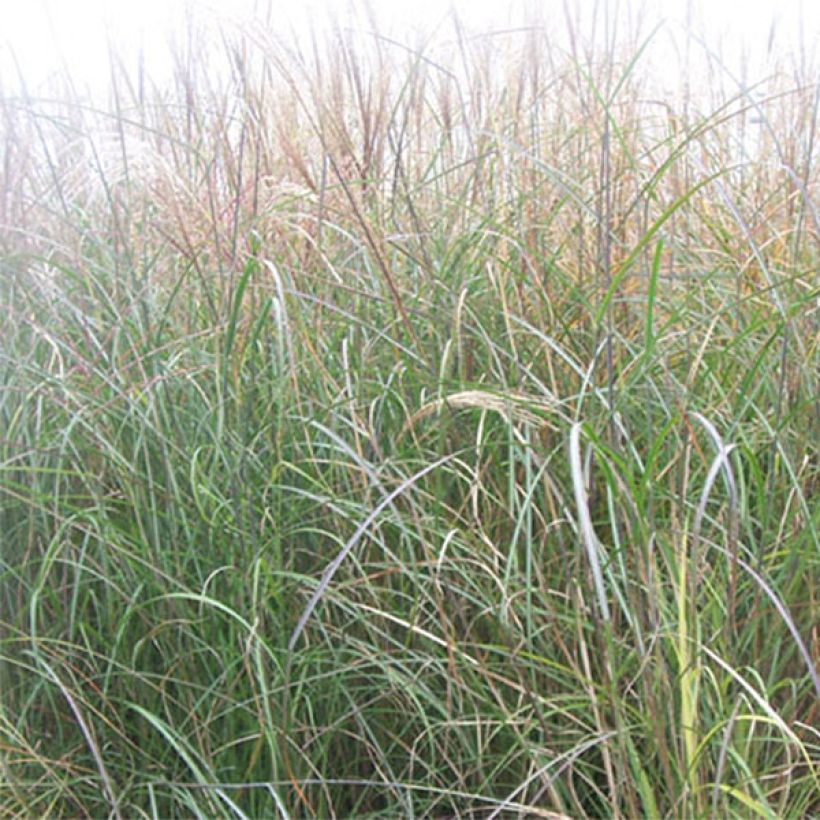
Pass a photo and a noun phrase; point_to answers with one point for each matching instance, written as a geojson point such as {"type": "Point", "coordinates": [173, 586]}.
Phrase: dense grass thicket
{"type": "Point", "coordinates": [411, 430]}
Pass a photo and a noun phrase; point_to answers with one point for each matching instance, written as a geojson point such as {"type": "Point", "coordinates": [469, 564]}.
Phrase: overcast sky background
{"type": "Point", "coordinates": [44, 35]}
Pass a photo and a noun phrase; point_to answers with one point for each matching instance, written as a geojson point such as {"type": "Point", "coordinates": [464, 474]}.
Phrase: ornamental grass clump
{"type": "Point", "coordinates": [413, 427]}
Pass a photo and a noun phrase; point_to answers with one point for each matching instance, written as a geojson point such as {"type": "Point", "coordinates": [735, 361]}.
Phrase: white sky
{"type": "Point", "coordinates": [42, 34]}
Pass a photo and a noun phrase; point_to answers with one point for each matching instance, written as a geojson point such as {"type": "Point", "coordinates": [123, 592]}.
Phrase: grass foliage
{"type": "Point", "coordinates": [424, 431]}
